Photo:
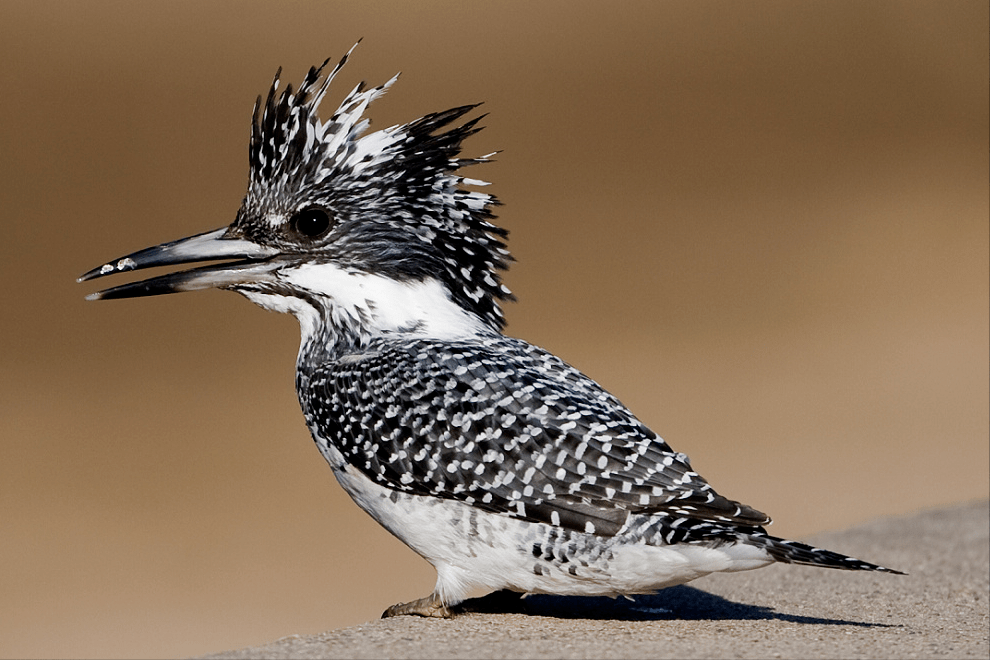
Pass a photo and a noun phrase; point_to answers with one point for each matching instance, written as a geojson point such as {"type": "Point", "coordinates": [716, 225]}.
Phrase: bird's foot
{"type": "Point", "coordinates": [430, 606]}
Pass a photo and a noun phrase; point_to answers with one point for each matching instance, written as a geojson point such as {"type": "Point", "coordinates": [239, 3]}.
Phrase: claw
{"type": "Point", "coordinates": [430, 606]}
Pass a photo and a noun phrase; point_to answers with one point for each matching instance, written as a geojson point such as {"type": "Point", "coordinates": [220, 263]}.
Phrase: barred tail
{"type": "Point", "coordinates": [794, 552]}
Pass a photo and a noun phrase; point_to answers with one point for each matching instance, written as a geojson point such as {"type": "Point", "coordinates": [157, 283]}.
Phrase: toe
{"type": "Point", "coordinates": [431, 606]}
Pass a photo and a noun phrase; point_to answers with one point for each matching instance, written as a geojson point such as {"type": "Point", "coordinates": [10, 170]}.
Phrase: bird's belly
{"type": "Point", "coordinates": [473, 548]}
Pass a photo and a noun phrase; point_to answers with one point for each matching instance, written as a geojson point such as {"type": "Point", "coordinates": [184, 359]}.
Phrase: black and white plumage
{"type": "Point", "coordinates": [496, 461]}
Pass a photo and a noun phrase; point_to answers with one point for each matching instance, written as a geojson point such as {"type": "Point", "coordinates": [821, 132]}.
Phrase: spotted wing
{"type": "Point", "coordinates": [507, 427]}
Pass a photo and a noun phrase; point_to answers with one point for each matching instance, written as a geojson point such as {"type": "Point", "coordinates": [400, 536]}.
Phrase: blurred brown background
{"type": "Point", "coordinates": [764, 226]}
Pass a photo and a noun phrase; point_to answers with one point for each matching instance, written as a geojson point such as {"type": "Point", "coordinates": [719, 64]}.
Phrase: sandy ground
{"type": "Point", "coordinates": [940, 610]}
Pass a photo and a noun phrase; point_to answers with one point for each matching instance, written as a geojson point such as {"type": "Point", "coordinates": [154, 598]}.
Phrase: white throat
{"type": "Point", "coordinates": [375, 305]}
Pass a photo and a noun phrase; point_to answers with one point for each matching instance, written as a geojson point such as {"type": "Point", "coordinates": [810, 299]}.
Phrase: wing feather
{"type": "Point", "coordinates": [510, 428]}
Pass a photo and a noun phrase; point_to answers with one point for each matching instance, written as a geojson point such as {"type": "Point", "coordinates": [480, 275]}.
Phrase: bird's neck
{"type": "Point", "coordinates": [341, 311]}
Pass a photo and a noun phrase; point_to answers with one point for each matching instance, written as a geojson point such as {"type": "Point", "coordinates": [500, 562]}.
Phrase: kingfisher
{"type": "Point", "coordinates": [496, 461]}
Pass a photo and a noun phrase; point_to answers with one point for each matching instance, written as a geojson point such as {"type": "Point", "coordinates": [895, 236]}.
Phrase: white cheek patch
{"type": "Point", "coordinates": [385, 305]}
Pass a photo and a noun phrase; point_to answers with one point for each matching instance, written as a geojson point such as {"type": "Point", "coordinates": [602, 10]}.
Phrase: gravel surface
{"type": "Point", "coordinates": [939, 610]}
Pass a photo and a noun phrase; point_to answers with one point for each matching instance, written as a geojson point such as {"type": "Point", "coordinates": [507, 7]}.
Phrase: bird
{"type": "Point", "coordinates": [503, 466]}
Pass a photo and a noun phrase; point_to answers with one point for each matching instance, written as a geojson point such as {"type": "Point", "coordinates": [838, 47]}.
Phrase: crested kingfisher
{"type": "Point", "coordinates": [496, 461]}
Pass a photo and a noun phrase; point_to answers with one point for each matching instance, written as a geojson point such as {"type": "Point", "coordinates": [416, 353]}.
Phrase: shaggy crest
{"type": "Point", "coordinates": [387, 191]}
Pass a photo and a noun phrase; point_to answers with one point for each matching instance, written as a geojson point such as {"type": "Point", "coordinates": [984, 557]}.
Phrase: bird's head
{"type": "Point", "coordinates": [363, 233]}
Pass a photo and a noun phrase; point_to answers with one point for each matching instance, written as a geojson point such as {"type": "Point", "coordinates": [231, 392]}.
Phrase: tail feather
{"type": "Point", "coordinates": [795, 552]}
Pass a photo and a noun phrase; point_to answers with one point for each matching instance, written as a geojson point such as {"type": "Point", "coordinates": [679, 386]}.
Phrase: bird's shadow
{"type": "Point", "coordinates": [682, 602]}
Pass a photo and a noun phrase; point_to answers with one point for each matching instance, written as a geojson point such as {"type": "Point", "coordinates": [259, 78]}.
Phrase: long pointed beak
{"type": "Point", "coordinates": [252, 265]}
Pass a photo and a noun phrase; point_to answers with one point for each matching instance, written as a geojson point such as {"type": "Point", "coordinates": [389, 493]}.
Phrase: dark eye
{"type": "Point", "coordinates": [311, 223]}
